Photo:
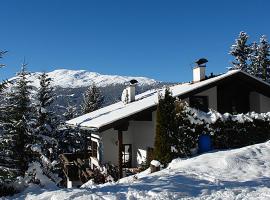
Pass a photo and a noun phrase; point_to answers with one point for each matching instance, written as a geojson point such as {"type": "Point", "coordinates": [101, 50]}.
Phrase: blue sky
{"type": "Point", "coordinates": [157, 39]}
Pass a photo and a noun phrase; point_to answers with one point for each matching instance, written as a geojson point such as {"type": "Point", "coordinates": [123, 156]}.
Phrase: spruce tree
{"type": "Point", "coordinates": [165, 128]}
{"type": "Point", "coordinates": [92, 99]}
{"type": "Point", "coordinates": [254, 58]}
{"type": "Point", "coordinates": [16, 120]}
{"type": "Point", "coordinates": [71, 112]}
{"type": "Point", "coordinates": [45, 98]}
{"type": "Point", "coordinates": [9, 170]}
{"type": "Point", "coordinates": [3, 83]}
{"type": "Point", "coordinates": [241, 51]}
{"type": "Point", "coordinates": [263, 59]}
{"type": "Point", "coordinates": [2, 53]}
{"type": "Point", "coordinates": [45, 138]}
{"type": "Point", "coordinates": [46, 121]}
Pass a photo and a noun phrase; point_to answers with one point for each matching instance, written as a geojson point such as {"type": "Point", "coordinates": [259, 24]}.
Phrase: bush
{"type": "Point", "coordinates": [227, 131]}
{"type": "Point", "coordinates": [186, 134]}
{"type": "Point", "coordinates": [7, 190]}
{"type": "Point", "coordinates": [233, 134]}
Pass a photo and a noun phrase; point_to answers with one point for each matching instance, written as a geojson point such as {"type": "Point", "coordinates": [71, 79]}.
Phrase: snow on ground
{"type": "Point", "coordinates": [234, 174]}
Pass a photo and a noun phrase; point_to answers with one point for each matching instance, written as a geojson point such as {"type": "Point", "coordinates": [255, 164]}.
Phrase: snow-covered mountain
{"type": "Point", "coordinates": [65, 78]}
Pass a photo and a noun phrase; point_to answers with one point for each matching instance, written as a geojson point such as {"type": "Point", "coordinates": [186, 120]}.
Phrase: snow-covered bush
{"type": "Point", "coordinates": [186, 133]}
{"type": "Point", "coordinates": [229, 131]}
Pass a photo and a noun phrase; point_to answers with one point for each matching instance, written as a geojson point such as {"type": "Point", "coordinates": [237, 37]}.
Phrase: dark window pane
{"type": "Point", "coordinates": [199, 102]}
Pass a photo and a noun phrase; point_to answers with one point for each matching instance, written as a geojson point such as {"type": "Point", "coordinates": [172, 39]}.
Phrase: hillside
{"type": "Point", "coordinates": [234, 174]}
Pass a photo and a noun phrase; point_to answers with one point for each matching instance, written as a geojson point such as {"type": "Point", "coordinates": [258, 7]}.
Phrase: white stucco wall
{"type": "Point", "coordinates": [212, 97]}
{"type": "Point", "coordinates": [142, 137]}
{"type": "Point", "coordinates": [140, 134]}
{"type": "Point", "coordinates": [109, 139]}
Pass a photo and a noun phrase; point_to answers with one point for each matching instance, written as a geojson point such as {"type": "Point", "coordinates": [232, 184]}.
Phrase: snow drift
{"type": "Point", "coordinates": [233, 174]}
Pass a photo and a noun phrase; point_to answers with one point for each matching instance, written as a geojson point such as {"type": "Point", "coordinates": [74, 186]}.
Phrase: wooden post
{"type": "Point", "coordinates": [89, 143]}
{"type": "Point", "coordinates": [120, 128]}
{"type": "Point", "coordinates": [120, 155]}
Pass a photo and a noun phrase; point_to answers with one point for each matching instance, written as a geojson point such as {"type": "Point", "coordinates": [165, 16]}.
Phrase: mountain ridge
{"type": "Point", "coordinates": [66, 78]}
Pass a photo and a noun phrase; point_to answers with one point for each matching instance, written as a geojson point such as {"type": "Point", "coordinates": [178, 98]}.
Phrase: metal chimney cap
{"type": "Point", "coordinates": [201, 61]}
{"type": "Point", "coordinates": [133, 81]}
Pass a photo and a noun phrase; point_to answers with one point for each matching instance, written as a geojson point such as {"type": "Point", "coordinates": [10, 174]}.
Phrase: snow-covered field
{"type": "Point", "coordinates": [234, 174]}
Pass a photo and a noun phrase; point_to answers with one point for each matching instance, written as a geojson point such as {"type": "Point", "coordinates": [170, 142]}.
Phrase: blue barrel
{"type": "Point", "coordinates": [204, 143]}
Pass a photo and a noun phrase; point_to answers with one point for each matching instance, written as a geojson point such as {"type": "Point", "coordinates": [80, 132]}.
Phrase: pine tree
{"type": "Point", "coordinates": [165, 128]}
{"type": "Point", "coordinates": [3, 83]}
{"type": "Point", "coordinates": [71, 112]}
{"type": "Point", "coordinates": [16, 120]}
{"type": "Point", "coordinates": [241, 51]}
{"type": "Point", "coordinates": [45, 98]}
{"type": "Point", "coordinates": [9, 170]}
{"type": "Point", "coordinates": [2, 53]}
{"type": "Point", "coordinates": [92, 99]}
{"type": "Point", "coordinates": [46, 121]}
{"type": "Point", "coordinates": [45, 138]}
{"type": "Point", "coordinates": [263, 59]}
{"type": "Point", "coordinates": [254, 58]}
{"type": "Point", "coordinates": [72, 139]}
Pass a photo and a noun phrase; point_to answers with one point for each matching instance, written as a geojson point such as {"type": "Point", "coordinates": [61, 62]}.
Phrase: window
{"type": "Point", "coordinates": [94, 149]}
{"type": "Point", "coordinates": [127, 155]}
{"type": "Point", "coordinates": [199, 102]}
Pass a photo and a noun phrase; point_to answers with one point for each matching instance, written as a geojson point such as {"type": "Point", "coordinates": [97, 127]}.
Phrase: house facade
{"type": "Point", "coordinates": [122, 132]}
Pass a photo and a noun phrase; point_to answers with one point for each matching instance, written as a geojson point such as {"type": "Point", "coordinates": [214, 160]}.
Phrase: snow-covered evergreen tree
{"type": "Point", "coordinates": [73, 139]}
{"type": "Point", "coordinates": [241, 51]}
{"type": "Point", "coordinates": [71, 112]}
{"type": "Point", "coordinates": [263, 58]}
{"type": "Point", "coordinates": [92, 100]}
{"type": "Point", "coordinates": [3, 83]}
{"type": "Point", "coordinates": [254, 58]}
{"type": "Point", "coordinates": [8, 161]}
{"type": "Point", "coordinates": [2, 53]}
{"type": "Point", "coordinates": [46, 121]}
{"type": "Point", "coordinates": [16, 121]}
{"type": "Point", "coordinates": [165, 128]}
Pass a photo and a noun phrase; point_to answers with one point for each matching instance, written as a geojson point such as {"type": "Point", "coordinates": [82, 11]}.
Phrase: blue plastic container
{"type": "Point", "coordinates": [204, 143]}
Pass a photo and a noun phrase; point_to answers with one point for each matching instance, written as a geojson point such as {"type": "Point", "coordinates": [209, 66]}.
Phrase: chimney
{"type": "Point", "coordinates": [199, 70]}
{"type": "Point", "coordinates": [129, 92]}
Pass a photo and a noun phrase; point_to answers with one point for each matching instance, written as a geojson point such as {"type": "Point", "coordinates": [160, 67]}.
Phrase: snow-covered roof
{"type": "Point", "coordinates": [143, 101]}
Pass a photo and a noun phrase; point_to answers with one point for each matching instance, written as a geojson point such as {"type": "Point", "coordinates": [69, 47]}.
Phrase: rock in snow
{"type": "Point", "coordinates": [155, 163]}
{"type": "Point", "coordinates": [233, 174]}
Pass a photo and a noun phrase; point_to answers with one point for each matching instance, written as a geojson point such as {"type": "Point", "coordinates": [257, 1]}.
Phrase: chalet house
{"type": "Point", "coordinates": [122, 132]}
